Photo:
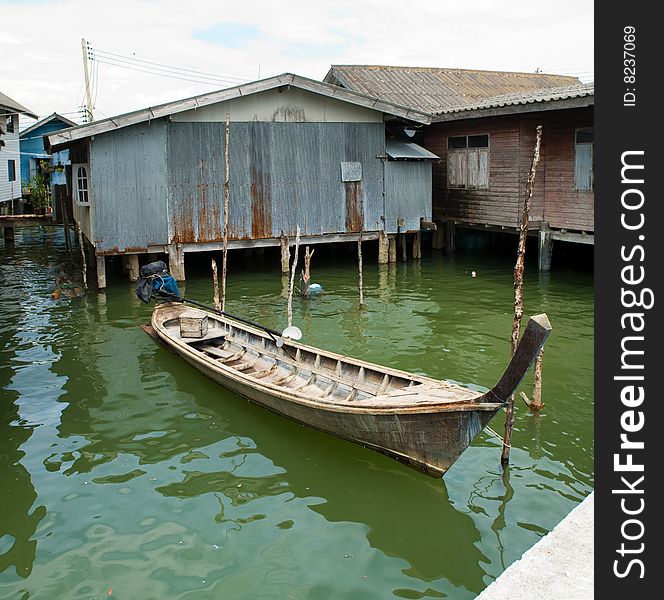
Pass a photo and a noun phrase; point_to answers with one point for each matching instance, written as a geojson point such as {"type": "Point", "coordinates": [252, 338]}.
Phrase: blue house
{"type": "Point", "coordinates": [32, 149]}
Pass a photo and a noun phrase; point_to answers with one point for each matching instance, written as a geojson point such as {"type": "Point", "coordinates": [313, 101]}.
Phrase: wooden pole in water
{"type": "Point", "coordinates": [359, 266]}
{"type": "Point", "coordinates": [215, 285]}
{"type": "Point", "coordinates": [227, 189]}
{"type": "Point", "coordinates": [84, 265]}
{"type": "Point", "coordinates": [536, 403]}
{"type": "Point", "coordinates": [306, 272]}
{"type": "Point", "coordinates": [518, 288]}
{"type": "Point", "coordinates": [292, 278]}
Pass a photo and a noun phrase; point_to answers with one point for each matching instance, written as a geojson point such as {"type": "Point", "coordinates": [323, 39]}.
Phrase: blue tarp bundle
{"type": "Point", "coordinates": [155, 279]}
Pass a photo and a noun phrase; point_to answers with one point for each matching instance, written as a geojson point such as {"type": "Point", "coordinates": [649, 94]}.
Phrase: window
{"type": "Point", "coordinates": [10, 123]}
{"type": "Point", "coordinates": [583, 159]}
{"type": "Point", "coordinates": [468, 161]}
{"type": "Point", "coordinates": [11, 170]}
{"type": "Point", "coordinates": [81, 184]}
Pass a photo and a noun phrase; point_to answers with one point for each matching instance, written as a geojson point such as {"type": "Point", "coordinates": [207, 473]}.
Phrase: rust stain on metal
{"type": "Point", "coordinates": [354, 221]}
{"type": "Point", "coordinates": [115, 250]}
{"type": "Point", "coordinates": [261, 205]}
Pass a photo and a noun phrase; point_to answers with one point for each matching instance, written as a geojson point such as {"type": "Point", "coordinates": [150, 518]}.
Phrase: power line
{"type": "Point", "coordinates": [194, 72]}
{"type": "Point", "coordinates": [206, 82]}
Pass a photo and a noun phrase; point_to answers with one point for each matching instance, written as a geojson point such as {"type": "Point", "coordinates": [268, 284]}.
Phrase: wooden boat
{"type": "Point", "coordinates": [424, 422]}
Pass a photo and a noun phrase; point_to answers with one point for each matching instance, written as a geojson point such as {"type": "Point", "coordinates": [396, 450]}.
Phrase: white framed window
{"type": "Point", "coordinates": [468, 161]}
{"type": "Point", "coordinates": [81, 183]}
{"type": "Point", "coordinates": [584, 140]}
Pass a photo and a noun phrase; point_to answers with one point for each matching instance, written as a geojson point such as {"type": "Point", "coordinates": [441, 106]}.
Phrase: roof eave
{"type": "Point", "coordinates": [510, 109]}
{"type": "Point", "coordinates": [63, 138]}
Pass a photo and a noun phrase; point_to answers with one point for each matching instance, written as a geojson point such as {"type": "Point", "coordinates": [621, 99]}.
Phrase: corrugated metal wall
{"type": "Point", "coordinates": [129, 188]}
{"type": "Point", "coordinates": [407, 193]}
{"type": "Point", "coordinates": [161, 183]}
{"type": "Point", "coordinates": [281, 175]}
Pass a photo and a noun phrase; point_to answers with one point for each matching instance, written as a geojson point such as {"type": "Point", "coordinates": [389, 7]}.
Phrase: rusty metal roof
{"type": "Point", "coordinates": [550, 98]}
{"type": "Point", "coordinates": [433, 89]}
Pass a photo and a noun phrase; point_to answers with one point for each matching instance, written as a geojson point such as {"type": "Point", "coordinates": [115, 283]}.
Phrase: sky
{"type": "Point", "coordinates": [41, 64]}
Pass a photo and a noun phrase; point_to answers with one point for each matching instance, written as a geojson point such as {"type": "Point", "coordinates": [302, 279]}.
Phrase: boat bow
{"type": "Point", "coordinates": [537, 331]}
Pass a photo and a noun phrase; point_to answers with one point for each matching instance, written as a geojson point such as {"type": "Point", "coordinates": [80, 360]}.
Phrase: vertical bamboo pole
{"type": "Point", "coordinates": [84, 264]}
{"type": "Point", "coordinates": [292, 278]}
{"type": "Point", "coordinates": [518, 288]}
{"type": "Point", "coordinates": [227, 188]}
{"type": "Point", "coordinates": [215, 285]}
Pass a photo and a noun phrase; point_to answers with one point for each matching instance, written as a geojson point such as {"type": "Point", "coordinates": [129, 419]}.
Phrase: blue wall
{"type": "Point", "coordinates": [32, 146]}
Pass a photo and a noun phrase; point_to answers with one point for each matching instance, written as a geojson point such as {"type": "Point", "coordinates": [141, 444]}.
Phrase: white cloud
{"type": "Point", "coordinates": [42, 65]}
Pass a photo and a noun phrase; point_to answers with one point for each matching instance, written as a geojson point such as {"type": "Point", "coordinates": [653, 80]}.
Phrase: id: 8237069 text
{"type": "Point", "coordinates": [629, 65]}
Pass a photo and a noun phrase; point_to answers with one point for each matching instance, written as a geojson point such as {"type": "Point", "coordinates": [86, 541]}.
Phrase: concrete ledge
{"type": "Point", "coordinates": [560, 565]}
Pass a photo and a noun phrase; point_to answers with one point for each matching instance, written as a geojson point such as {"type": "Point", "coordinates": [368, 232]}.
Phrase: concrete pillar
{"type": "Point", "coordinates": [101, 273]}
{"type": "Point", "coordinates": [417, 246]}
{"type": "Point", "coordinates": [438, 242]}
{"type": "Point", "coordinates": [285, 254]}
{"type": "Point", "coordinates": [8, 234]}
{"type": "Point", "coordinates": [392, 252]}
{"type": "Point", "coordinates": [176, 261]}
{"type": "Point", "coordinates": [450, 235]}
{"type": "Point", "coordinates": [383, 248]}
{"type": "Point", "coordinates": [545, 247]}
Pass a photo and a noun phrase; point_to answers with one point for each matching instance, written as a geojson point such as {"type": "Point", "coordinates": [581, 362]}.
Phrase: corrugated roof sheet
{"type": "Point", "coordinates": [434, 90]}
{"type": "Point", "coordinates": [579, 90]}
{"type": "Point", "coordinates": [13, 105]}
{"type": "Point", "coordinates": [400, 149]}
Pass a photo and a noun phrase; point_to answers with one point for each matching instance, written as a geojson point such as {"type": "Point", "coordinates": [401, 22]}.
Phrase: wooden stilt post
{"type": "Point", "coordinates": [215, 286]}
{"type": "Point", "coordinates": [306, 272]}
{"type": "Point", "coordinates": [101, 273]}
{"type": "Point", "coordinates": [285, 254]}
{"type": "Point", "coordinates": [392, 252]}
{"type": "Point", "coordinates": [545, 247]}
{"type": "Point", "coordinates": [227, 189]}
{"type": "Point", "coordinates": [292, 279]}
{"type": "Point", "coordinates": [65, 223]}
{"type": "Point", "coordinates": [518, 288]}
{"type": "Point", "coordinates": [8, 234]}
{"type": "Point", "coordinates": [417, 246]}
{"type": "Point", "coordinates": [401, 236]}
{"type": "Point", "coordinates": [84, 264]}
{"type": "Point", "coordinates": [450, 237]}
{"type": "Point", "coordinates": [438, 237]}
{"type": "Point", "coordinates": [176, 261]}
{"type": "Point", "coordinates": [134, 267]}
{"type": "Point", "coordinates": [383, 248]}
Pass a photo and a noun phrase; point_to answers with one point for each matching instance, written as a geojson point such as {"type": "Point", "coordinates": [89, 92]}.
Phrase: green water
{"type": "Point", "coordinates": [123, 471]}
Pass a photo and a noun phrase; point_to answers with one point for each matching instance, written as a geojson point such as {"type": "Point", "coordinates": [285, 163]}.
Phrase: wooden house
{"type": "Point", "coordinates": [486, 150]}
{"type": "Point", "coordinates": [483, 129]}
{"type": "Point", "coordinates": [10, 163]}
{"type": "Point", "coordinates": [301, 152]}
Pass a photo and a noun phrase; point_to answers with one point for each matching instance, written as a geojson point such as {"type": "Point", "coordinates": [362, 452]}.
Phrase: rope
{"type": "Point", "coordinates": [494, 434]}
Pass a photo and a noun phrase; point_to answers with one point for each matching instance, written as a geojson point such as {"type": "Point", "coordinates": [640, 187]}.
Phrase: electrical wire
{"type": "Point", "coordinates": [206, 74]}
{"type": "Point", "coordinates": [205, 82]}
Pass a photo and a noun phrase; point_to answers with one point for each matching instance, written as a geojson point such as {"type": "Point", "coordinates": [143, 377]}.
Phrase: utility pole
{"type": "Point", "coordinates": [84, 49]}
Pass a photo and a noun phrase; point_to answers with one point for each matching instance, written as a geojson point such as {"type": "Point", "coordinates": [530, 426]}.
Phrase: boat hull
{"type": "Point", "coordinates": [429, 438]}
{"type": "Point", "coordinates": [428, 441]}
